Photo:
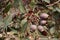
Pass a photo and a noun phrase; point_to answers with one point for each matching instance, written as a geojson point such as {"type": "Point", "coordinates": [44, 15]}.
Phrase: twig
{"type": "Point", "coordinates": [53, 3]}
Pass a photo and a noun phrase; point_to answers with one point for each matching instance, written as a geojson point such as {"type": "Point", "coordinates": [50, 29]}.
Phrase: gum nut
{"type": "Point", "coordinates": [44, 15]}
{"type": "Point", "coordinates": [33, 27]}
{"type": "Point", "coordinates": [40, 28]}
{"type": "Point", "coordinates": [43, 22]}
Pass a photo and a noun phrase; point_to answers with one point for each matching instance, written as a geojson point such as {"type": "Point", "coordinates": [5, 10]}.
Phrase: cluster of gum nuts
{"type": "Point", "coordinates": [42, 22]}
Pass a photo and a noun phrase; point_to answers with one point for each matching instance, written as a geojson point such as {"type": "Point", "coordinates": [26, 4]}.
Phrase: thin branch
{"type": "Point", "coordinates": [53, 3]}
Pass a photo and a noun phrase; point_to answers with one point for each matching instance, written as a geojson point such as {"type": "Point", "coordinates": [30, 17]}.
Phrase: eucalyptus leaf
{"type": "Point", "coordinates": [15, 31]}
{"type": "Point", "coordinates": [21, 7]}
{"type": "Point", "coordinates": [1, 23]}
{"type": "Point", "coordinates": [58, 9]}
{"type": "Point", "coordinates": [16, 3]}
{"type": "Point", "coordinates": [27, 39]}
{"type": "Point", "coordinates": [7, 8]}
{"type": "Point", "coordinates": [7, 20]}
{"type": "Point", "coordinates": [19, 4]}
{"type": "Point", "coordinates": [24, 24]}
{"type": "Point", "coordinates": [3, 4]}
{"type": "Point", "coordinates": [24, 27]}
{"type": "Point", "coordinates": [23, 21]}
{"type": "Point", "coordinates": [32, 4]}
{"type": "Point", "coordinates": [52, 30]}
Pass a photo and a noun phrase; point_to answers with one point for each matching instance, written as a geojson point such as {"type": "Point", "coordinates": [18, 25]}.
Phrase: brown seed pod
{"type": "Point", "coordinates": [42, 30]}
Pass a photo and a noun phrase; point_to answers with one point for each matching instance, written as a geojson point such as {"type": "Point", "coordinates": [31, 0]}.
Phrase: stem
{"type": "Point", "coordinates": [53, 3]}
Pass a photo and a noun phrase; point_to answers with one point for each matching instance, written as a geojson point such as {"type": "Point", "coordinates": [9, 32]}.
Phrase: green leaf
{"type": "Point", "coordinates": [58, 9]}
{"type": "Point", "coordinates": [48, 1]}
{"type": "Point", "coordinates": [3, 5]}
{"type": "Point", "coordinates": [1, 23]}
{"type": "Point", "coordinates": [27, 38]}
{"type": "Point", "coordinates": [23, 21]}
{"type": "Point", "coordinates": [7, 20]}
{"type": "Point", "coordinates": [15, 31]}
{"type": "Point", "coordinates": [52, 30]}
{"type": "Point", "coordinates": [7, 8]}
{"type": "Point", "coordinates": [19, 4]}
{"type": "Point", "coordinates": [16, 3]}
{"type": "Point", "coordinates": [24, 24]}
{"type": "Point", "coordinates": [32, 4]}
{"type": "Point", "coordinates": [21, 7]}
{"type": "Point", "coordinates": [24, 27]}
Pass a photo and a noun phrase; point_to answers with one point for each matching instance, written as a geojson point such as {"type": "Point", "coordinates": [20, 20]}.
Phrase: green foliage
{"type": "Point", "coordinates": [25, 15]}
{"type": "Point", "coordinates": [21, 7]}
{"type": "Point", "coordinates": [7, 8]}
